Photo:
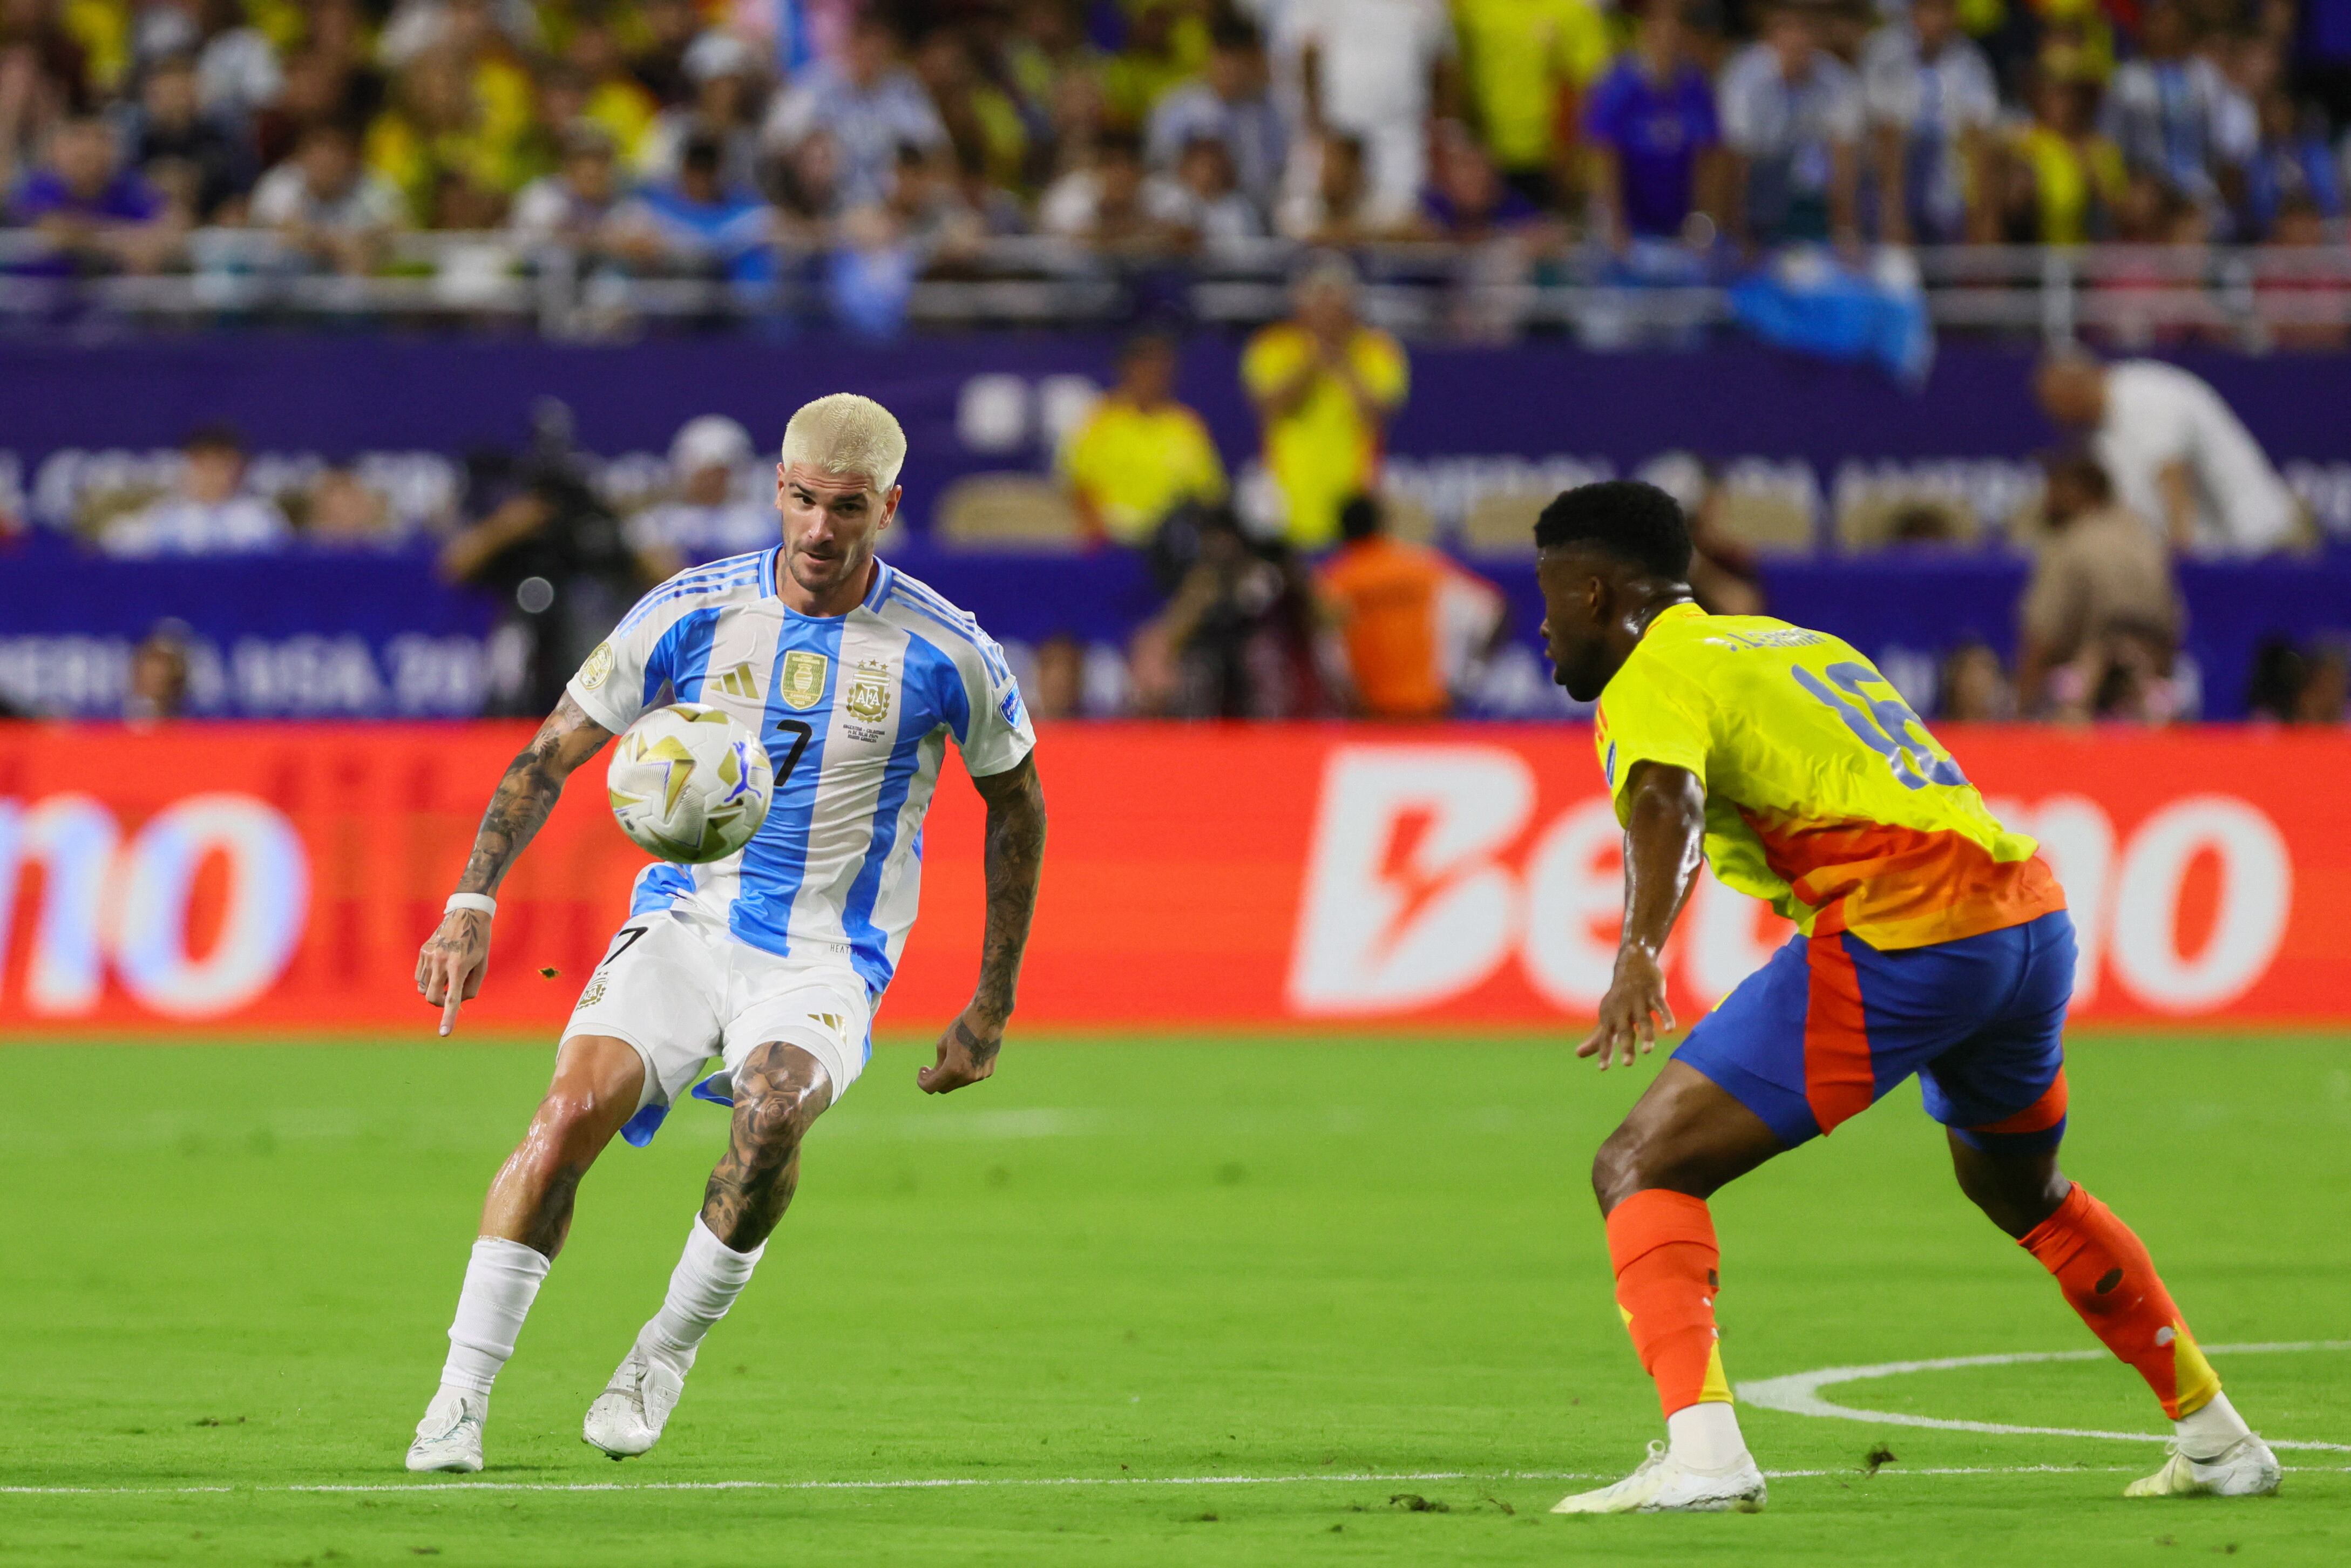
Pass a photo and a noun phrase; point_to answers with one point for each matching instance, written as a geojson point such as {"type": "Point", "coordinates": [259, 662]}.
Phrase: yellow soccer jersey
{"type": "Point", "coordinates": [1825, 794]}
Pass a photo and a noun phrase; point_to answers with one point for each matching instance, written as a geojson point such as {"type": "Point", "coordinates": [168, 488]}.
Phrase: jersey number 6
{"type": "Point", "coordinates": [1886, 725]}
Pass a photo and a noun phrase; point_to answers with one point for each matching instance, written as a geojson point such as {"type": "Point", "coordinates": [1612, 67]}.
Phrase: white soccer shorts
{"type": "Point", "coordinates": [682, 989]}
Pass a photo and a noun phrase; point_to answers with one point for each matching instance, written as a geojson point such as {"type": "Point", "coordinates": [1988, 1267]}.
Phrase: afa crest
{"type": "Point", "coordinates": [802, 685]}
{"type": "Point", "coordinates": [869, 692]}
{"type": "Point", "coordinates": [598, 667]}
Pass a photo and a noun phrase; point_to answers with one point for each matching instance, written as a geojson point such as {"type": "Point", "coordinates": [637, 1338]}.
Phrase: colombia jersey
{"type": "Point", "coordinates": [1824, 793]}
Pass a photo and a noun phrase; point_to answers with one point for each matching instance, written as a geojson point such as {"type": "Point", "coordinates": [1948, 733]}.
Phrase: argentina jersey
{"type": "Point", "coordinates": [855, 711]}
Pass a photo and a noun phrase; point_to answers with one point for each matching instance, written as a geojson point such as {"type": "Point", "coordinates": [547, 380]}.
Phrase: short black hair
{"type": "Point", "coordinates": [1636, 523]}
{"type": "Point", "coordinates": [1359, 518]}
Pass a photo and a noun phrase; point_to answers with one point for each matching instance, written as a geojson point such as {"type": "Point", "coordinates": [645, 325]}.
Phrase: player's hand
{"type": "Point", "coordinates": [1633, 1012]}
{"type": "Point", "coordinates": [966, 1053]}
{"type": "Point", "coordinates": [450, 968]}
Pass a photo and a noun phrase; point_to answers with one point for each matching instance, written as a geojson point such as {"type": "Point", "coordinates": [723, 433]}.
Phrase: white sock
{"type": "Point", "coordinates": [501, 1279]}
{"type": "Point", "coordinates": [2206, 1431]}
{"type": "Point", "coordinates": [702, 1286]}
{"type": "Point", "coordinates": [1705, 1436]}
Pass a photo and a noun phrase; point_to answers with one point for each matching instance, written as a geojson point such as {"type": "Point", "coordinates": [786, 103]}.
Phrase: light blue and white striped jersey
{"type": "Point", "coordinates": [855, 711]}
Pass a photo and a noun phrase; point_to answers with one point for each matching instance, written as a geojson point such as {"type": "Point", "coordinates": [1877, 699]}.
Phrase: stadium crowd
{"type": "Point", "coordinates": [705, 137]}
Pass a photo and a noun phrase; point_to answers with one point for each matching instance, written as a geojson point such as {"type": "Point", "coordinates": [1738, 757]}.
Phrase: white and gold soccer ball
{"type": "Point", "coordinates": [689, 783]}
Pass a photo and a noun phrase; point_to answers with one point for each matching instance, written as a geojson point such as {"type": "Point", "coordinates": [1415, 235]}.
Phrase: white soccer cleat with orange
{"type": "Point", "coordinates": [2245, 1467]}
{"type": "Point", "coordinates": [1664, 1484]}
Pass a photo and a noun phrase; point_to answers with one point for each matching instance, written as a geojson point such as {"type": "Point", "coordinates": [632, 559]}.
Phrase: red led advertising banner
{"type": "Point", "coordinates": [278, 879]}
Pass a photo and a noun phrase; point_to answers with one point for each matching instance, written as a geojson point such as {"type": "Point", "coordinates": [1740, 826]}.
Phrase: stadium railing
{"type": "Point", "coordinates": [2251, 297]}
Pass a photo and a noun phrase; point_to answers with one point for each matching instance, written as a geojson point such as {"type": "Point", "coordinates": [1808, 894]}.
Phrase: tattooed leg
{"type": "Point", "coordinates": [598, 1082]}
{"type": "Point", "coordinates": [779, 1092]}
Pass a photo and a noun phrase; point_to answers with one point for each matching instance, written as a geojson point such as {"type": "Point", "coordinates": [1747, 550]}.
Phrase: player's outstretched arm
{"type": "Point", "coordinates": [449, 970]}
{"type": "Point", "coordinates": [1665, 830]}
{"type": "Point", "coordinates": [1016, 860]}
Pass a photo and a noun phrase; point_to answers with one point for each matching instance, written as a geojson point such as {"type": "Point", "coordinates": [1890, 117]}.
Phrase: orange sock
{"type": "Point", "coordinates": [2105, 1273]}
{"type": "Point", "coordinates": [1662, 1244]}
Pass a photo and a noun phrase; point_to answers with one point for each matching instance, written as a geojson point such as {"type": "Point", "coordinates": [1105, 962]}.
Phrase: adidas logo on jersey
{"type": "Point", "coordinates": [741, 681]}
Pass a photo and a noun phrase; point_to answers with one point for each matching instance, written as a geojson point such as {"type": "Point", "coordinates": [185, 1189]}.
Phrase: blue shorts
{"type": "Point", "coordinates": [1830, 1024]}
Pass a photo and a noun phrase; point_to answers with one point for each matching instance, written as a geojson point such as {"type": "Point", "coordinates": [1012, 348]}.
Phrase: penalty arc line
{"type": "Point", "coordinates": [1799, 1393]}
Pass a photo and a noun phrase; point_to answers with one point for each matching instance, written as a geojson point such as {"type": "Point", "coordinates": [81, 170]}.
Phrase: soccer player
{"type": "Point", "coordinates": [855, 676]}
{"type": "Point", "coordinates": [1930, 940]}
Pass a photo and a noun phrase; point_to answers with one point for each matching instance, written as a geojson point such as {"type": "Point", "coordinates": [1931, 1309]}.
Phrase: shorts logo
{"type": "Point", "coordinates": [869, 692]}
{"type": "Point", "coordinates": [598, 668]}
{"type": "Point", "coordinates": [803, 682]}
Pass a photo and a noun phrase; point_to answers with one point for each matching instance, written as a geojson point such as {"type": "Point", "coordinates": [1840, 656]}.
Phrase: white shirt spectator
{"type": "Point", "coordinates": [704, 533]}
{"type": "Point", "coordinates": [1377, 61]}
{"type": "Point", "coordinates": [549, 209]}
{"type": "Point", "coordinates": [1936, 102]}
{"type": "Point", "coordinates": [283, 197]}
{"type": "Point", "coordinates": [177, 526]}
{"type": "Point", "coordinates": [1250, 128]}
{"type": "Point", "coordinates": [866, 124]}
{"type": "Point", "coordinates": [2179, 119]}
{"type": "Point", "coordinates": [1772, 121]}
{"type": "Point", "coordinates": [2159, 415]}
{"type": "Point", "coordinates": [1217, 220]}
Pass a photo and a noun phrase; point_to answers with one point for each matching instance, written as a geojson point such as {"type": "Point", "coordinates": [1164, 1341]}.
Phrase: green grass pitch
{"type": "Point", "coordinates": [1227, 1301]}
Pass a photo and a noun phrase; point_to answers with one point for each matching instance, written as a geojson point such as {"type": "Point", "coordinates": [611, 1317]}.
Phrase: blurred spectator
{"type": "Point", "coordinates": [1165, 44]}
{"type": "Point", "coordinates": [1413, 624]}
{"type": "Point", "coordinates": [2294, 685]}
{"type": "Point", "coordinates": [237, 65]}
{"type": "Point", "coordinates": [1656, 144]}
{"type": "Point", "coordinates": [96, 216]}
{"type": "Point", "coordinates": [1229, 103]}
{"type": "Point", "coordinates": [157, 685]}
{"type": "Point", "coordinates": [1971, 687]}
{"type": "Point", "coordinates": [342, 509]}
{"type": "Point", "coordinates": [1466, 200]}
{"type": "Point", "coordinates": [1102, 202]}
{"type": "Point", "coordinates": [1200, 198]}
{"type": "Point", "coordinates": [561, 567]}
{"type": "Point", "coordinates": [704, 519]}
{"type": "Point", "coordinates": [1330, 202]}
{"type": "Point", "coordinates": [2064, 180]}
{"type": "Point", "coordinates": [2101, 573]}
{"type": "Point", "coordinates": [572, 205]}
{"type": "Point", "coordinates": [1241, 638]}
{"type": "Point", "coordinates": [190, 155]}
{"type": "Point", "coordinates": [1525, 65]}
{"type": "Point", "coordinates": [1140, 453]}
{"type": "Point", "coordinates": [616, 100]}
{"type": "Point", "coordinates": [448, 116]}
{"type": "Point", "coordinates": [925, 213]}
{"type": "Point", "coordinates": [726, 77]}
{"type": "Point", "coordinates": [207, 512]}
{"type": "Point", "coordinates": [43, 76]}
{"type": "Point", "coordinates": [334, 213]}
{"type": "Point", "coordinates": [982, 120]}
{"type": "Point", "coordinates": [1324, 385]}
{"type": "Point", "coordinates": [1791, 118]}
{"type": "Point", "coordinates": [320, 84]}
{"type": "Point", "coordinates": [2176, 454]}
{"type": "Point", "coordinates": [697, 225]}
{"type": "Point", "coordinates": [2171, 111]}
{"type": "Point", "coordinates": [667, 30]}
{"type": "Point", "coordinates": [2292, 161]}
{"type": "Point", "coordinates": [1059, 689]}
{"type": "Point", "coordinates": [1379, 71]}
{"type": "Point", "coordinates": [1932, 105]}
{"type": "Point", "coordinates": [2318, 295]}
{"type": "Point", "coordinates": [867, 103]}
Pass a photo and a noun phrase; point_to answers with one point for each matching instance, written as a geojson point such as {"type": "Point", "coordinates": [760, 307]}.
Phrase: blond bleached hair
{"type": "Point", "coordinates": [846, 434]}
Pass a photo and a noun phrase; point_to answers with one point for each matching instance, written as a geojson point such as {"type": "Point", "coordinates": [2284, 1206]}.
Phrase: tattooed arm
{"type": "Point", "coordinates": [449, 970]}
{"type": "Point", "coordinates": [1016, 856]}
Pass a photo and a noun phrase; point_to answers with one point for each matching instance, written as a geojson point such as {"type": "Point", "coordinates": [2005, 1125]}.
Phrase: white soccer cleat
{"type": "Point", "coordinates": [1664, 1485]}
{"type": "Point", "coordinates": [627, 1418]}
{"type": "Point", "coordinates": [450, 1436]}
{"type": "Point", "coordinates": [2245, 1467]}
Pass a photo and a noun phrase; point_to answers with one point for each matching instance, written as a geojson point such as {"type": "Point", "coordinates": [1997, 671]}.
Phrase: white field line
{"type": "Point", "coordinates": [1799, 1394]}
{"type": "Point", "coordinates": [444, 1489]}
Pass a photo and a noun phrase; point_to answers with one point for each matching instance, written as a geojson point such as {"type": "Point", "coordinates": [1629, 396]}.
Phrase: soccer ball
{"type": "Point", "coordinates": [689, 784]}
